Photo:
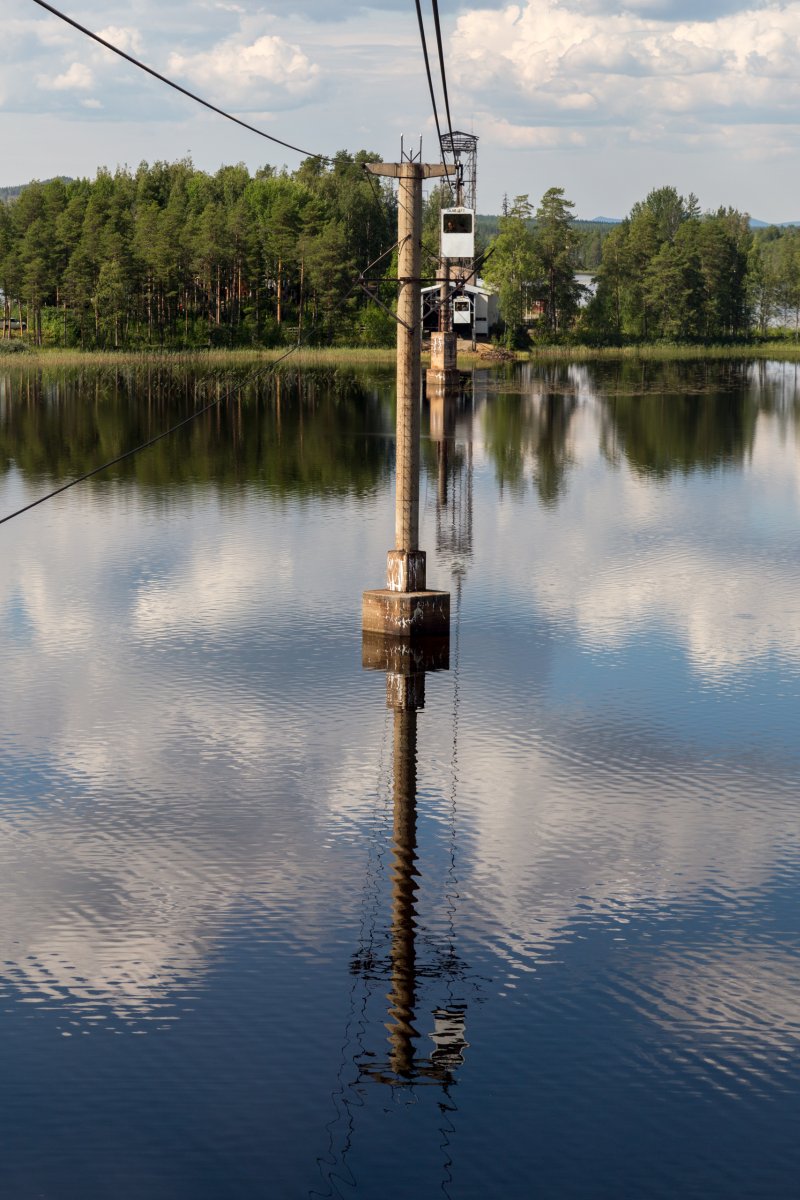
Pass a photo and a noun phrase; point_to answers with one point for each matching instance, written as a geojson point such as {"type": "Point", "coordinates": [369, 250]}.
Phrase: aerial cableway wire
{"type": "Point", "coordinates": [435, 5]}
{"type": "Point", "coordinates": [358, 282]}
{"type": "Point", "coordinates": [255, 374]}
{"type": "Point", "coordinates": [431, 89]}
{"type": "Point", "coordinates": [221, 111]}
{"type": "Point", "coordinates": [229, 116]}
{"type": "Point", "coordinates": [178, 88]}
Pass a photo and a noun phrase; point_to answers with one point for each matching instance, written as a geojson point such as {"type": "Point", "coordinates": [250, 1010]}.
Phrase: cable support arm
{"type": "Point", "coordinates": [377, 300]}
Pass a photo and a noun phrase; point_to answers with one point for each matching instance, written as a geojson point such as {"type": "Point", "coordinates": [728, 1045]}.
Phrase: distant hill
{"type": "Point", "coordinates": [11, 193]}
{"type": "Point", "coordinates": [488, 223]}
{"type": "Point", "coordinates": [754, 223]}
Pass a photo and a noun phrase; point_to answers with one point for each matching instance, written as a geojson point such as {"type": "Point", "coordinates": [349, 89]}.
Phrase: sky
{"type": "Point", "coordinates": [578, 94]}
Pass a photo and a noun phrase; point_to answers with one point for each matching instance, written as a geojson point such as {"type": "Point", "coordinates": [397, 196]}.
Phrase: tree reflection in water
{"type": "Point", "coordinates": [295, 433]}
{"type": "Point", "coordinates": [323, 431]}
{"type": "Point", "coordinates": [668, 424]}
{"type": "Point", "coordinates": [527, 427]}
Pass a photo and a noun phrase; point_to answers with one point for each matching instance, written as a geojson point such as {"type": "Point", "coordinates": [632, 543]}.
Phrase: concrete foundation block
{"type": "Point", "coordinates": [444, 351]}
{"type": "Point", "coordinates": [405, 614]}
{"type": "Point", "coordinates": [405, 570]}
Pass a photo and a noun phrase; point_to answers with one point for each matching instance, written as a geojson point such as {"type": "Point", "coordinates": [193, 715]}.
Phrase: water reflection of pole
{"type": "Point", "coordinates": [449, 1033]}
{"type": "Point", "coordinates": [406, 664]}
{"type": "Point", "coordinates": [402, 997]}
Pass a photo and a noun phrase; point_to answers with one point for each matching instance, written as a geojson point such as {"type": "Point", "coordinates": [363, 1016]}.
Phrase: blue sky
{"type": "Point", "coordinates": [571, 93]}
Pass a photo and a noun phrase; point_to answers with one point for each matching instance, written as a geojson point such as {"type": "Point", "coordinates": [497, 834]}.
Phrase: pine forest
{"type": "Point", "coordinates": [168, 256]}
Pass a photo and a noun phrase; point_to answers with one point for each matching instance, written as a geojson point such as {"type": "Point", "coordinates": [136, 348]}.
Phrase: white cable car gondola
{"type": "Point", "coordinates": [458, 233]}
{"type": "Point", "coordinates": [462, 310]}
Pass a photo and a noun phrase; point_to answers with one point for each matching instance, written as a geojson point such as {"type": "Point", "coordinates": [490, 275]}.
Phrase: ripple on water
{"type": "Point", "coordinates": [578, 926]}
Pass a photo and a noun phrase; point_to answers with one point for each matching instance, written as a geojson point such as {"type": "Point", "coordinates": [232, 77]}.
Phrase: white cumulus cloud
{"type": "Point", "coordinates": [124, 37]}
{"type": "Point", "coordinates": [557, 61]}
{"type": "Point", "coordinates": [77, 77]}
{"type": "Point", "coordinates": [268, 70]}
{"type": "Point", "coordinates": [516, 137]}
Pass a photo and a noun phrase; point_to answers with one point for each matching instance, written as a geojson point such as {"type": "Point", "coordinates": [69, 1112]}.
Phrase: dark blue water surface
{"type": "Point", "coordinates": [264, 936]}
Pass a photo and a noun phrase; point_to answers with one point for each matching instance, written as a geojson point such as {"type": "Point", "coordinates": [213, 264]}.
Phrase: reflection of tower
{"type": "Point", "coordinates": [406, 664]}
{"type": "Point", "coordinates": [451, 431]}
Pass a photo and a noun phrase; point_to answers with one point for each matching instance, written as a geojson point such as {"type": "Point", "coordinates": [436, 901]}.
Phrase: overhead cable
{"type": "Point", "coordinates": [430, 86]}
{"type": "Point", "coordinates": [170, 83]}
{"type": "Point", "coordinates": [435, 4]}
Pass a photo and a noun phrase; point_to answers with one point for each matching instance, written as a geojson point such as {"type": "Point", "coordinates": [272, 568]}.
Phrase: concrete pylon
{"type": "Point", "coordinates": [406, 607]}
{"type": "Point", "coordinates": [442, 377]}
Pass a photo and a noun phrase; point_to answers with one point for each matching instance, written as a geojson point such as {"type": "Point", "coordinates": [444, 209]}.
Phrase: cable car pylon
{"type": "Point", "coordinates": [406, 607]}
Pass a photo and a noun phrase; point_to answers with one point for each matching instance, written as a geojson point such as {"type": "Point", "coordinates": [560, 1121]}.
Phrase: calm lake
{"type": "Point", "coordinates": [262, 936]}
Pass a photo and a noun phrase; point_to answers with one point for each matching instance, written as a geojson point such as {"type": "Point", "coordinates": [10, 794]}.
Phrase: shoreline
{"type": "Point", "coordinates": [310, 356]}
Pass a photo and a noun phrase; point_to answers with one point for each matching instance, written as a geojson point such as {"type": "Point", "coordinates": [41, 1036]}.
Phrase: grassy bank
{"type": "Point", "coordinates": [195, 359]}
{"type": "Point", "coordinates": [306, 356]}
{"type": "Point", "coordinates": [309, 356]}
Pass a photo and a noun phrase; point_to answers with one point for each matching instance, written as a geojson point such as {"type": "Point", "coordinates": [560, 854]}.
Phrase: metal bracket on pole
{"type": "Point", "coordinates": [377, 300]}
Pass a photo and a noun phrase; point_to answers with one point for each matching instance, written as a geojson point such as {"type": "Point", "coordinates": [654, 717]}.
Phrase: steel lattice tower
{"type": "Point", "coordinates": [462, 149]}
